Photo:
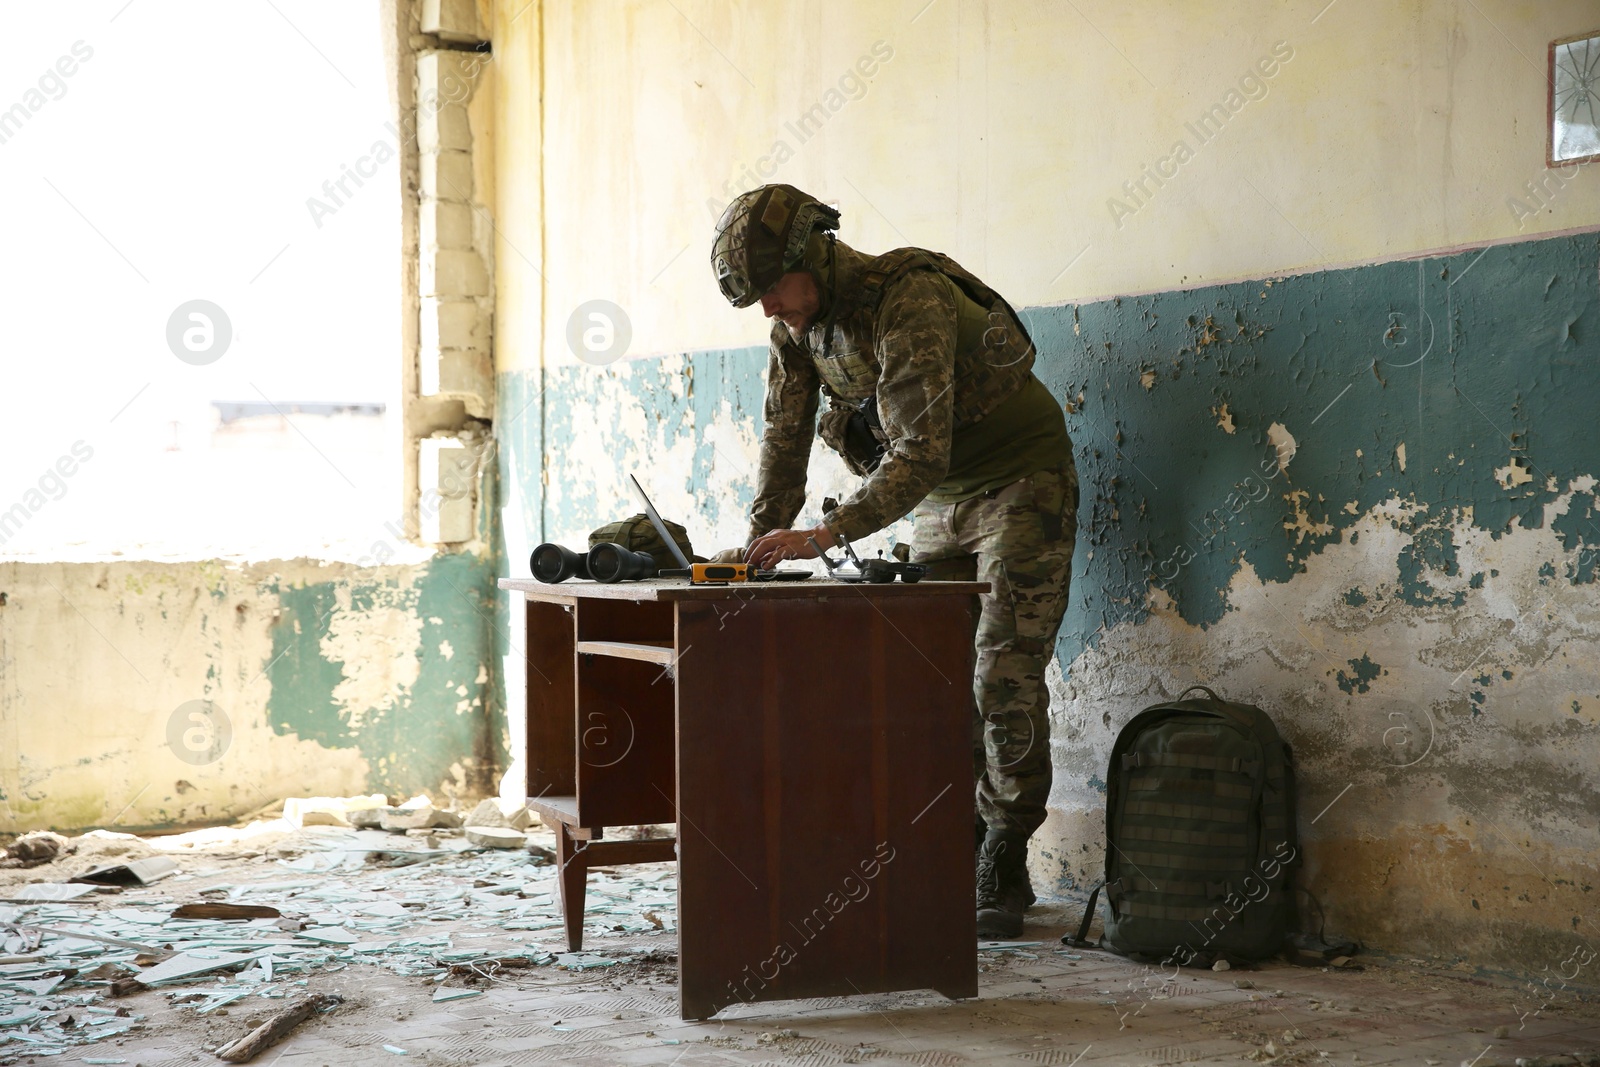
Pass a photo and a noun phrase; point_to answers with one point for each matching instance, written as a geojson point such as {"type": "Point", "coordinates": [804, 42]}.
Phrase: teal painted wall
{"type": "Point", "coordinates": [140, 695]}
{"type": "Point", "coordinates": [1460, 358]}
{"type": "Point", "coordinates": [1410, 595]}
{"type": "Point", "coordinates": [444, 725]}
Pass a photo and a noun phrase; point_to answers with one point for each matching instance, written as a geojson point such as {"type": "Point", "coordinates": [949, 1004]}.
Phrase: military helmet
{"type": "Point", "coordinates": [761, 236]}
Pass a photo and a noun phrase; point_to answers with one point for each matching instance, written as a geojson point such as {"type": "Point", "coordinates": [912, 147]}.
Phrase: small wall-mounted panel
{"type": "Point", "coordinates": [1575, 99]}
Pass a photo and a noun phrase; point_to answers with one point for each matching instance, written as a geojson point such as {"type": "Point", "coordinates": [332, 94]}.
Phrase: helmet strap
{"type": "Point", "coordinates": [829, 294]}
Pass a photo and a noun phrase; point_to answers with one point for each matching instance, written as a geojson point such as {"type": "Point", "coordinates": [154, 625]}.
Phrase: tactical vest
{"type": "Point", "coordinates": [994, 353]}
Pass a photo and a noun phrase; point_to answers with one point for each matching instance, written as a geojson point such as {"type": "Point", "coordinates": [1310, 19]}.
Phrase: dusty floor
{"type": "Point", "coordinates": [386, 916]}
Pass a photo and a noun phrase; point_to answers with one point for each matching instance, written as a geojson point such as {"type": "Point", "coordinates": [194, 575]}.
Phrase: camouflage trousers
{"type": "Point", "coordinates": [1019, 539]}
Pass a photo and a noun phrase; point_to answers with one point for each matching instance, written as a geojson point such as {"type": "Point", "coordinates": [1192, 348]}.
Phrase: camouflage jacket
{"type": "Point", "coordinates": [935, 359]}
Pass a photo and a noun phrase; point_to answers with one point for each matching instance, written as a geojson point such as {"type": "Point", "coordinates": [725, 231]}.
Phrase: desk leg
{"type": "Point", "coordinates": [574, 873]}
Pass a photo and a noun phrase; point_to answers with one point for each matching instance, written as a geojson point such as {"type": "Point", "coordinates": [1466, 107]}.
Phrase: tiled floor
{"type": "Point", "coordinates": [1043, 1005]}
{"type": "Point", "coordinates": [1048, 1010]}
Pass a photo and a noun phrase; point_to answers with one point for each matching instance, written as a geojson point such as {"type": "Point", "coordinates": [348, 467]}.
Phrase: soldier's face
{"type": "Point", "coordinates": [793, 300]}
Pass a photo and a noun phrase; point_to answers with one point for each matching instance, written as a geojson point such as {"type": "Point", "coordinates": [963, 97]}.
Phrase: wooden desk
{"type": "Point", "coordinates": [812, 742]}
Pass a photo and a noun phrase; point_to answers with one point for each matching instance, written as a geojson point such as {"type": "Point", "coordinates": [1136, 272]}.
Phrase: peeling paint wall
{"type": "Point", "coordinates": [1423, 631]}
{"type": "Point", "coordinates": [157, 695]}
{"type": "Point", "coordinates": [1361, 496]}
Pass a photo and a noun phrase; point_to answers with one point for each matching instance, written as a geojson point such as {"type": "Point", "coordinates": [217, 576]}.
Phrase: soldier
{"type": "Point", "coordinates": [933, 401]}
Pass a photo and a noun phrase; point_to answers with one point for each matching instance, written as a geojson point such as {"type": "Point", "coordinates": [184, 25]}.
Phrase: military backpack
{"type": "Point", "coordinates": [638, 534]}
{"type": "Point", "coordinates": [1201, 845]}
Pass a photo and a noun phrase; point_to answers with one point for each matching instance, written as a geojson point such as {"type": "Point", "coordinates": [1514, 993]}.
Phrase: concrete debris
{"type": "Point", "coordinates": [328, 811]}
{"type": "Point", "coordinates": [426, 817]}
{"type": "Point", "coordinates": [398, 820]}
{"type": "Point", "coordinates": [322, 818]}
{"type": "Point", "coordinates": [496, 837]}
{"type": "Point", "coordinates": [1590, 1058]}
{"type": "Point", "coordinates": [34, 850]}
{"type": "Point", "coordinates": [134, 872]}
{"type": "Point", "coordinates": [45, 891]}
{"type": "Point", "coordinates": [496, 812]}
{"type": "Point", "coordinates": [315, 901]}
{"type": "Point", "coordinates": [774, 1037]}
{"type": "Point", "coordinates": [487, 813]}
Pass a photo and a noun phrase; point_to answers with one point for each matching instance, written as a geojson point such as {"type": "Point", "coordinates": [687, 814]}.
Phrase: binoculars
{"type": "Point", "coordinates": [608, 562]}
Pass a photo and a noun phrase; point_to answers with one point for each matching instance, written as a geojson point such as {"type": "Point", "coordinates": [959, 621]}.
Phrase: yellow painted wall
{"type": "Point", "coordinates": [998, 132]}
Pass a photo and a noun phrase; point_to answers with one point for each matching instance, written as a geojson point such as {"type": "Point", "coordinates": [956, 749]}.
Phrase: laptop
{"type": "Point", "coordinates": [789, 574]}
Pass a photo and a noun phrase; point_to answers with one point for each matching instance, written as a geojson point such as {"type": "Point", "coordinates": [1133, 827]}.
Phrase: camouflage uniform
{"type": "Point", "coordinates": [1018, 539]}
{"type": "Point", "coordinates": [895, 335]}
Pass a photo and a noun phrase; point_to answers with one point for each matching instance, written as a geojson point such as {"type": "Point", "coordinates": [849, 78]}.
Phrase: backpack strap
{"type": "Point", "coordinates": [1081, 940]}
{"type": "Point", "coordinates": [889, 267]}
{"type": "Point", "coordinates": [892, 265]}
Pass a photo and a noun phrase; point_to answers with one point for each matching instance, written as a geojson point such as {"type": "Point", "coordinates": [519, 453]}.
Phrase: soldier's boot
{"type": "Point", "coordinates": [1003, 889]}
{"type": "Point", "coordinates": [980, 831]}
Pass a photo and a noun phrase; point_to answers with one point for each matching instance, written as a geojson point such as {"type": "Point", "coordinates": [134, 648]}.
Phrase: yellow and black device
{"type": "Point", "coordinates": [721, 572]}
{"type": "Point", "coordinates": [709, 573]}
{"type": "Point", "coordinates": [718, 573]}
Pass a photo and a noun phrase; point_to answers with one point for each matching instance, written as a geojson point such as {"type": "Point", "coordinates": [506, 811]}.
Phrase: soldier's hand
{"type": "Point", "coordinates": [728, 555]}
{"type": "Point", "coordinates": [770, 549]}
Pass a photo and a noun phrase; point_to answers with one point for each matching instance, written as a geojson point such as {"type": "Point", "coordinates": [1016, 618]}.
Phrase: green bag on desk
{"type": "Point", "coordinates": [637, 534]}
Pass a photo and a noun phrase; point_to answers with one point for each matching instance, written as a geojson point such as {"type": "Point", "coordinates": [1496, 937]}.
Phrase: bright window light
{"type": "Point", "coordinates": [196, 363]}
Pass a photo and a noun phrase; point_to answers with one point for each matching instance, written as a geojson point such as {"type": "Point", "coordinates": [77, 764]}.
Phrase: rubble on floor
{"type": "Point", "coordinates": [334, 944]}
{"type": "Point", "coordinates": [312, 899]}
{"type": "Point", "coordinates": [32, 850]}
